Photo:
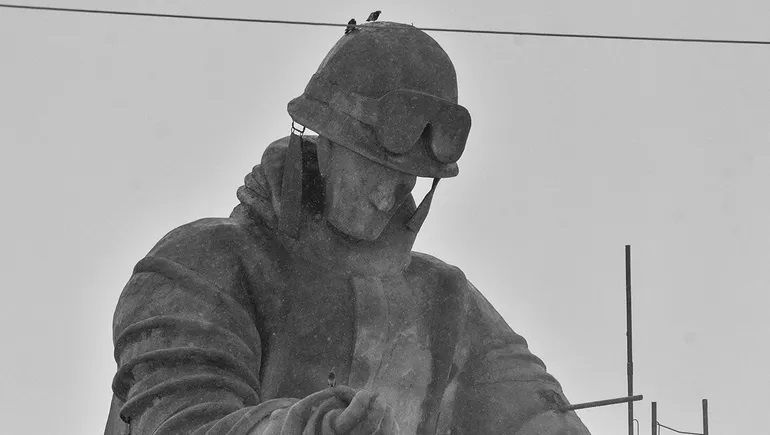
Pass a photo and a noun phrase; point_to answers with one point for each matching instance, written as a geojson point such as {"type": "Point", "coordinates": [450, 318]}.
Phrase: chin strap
{"type": "Point", "coordinates": [291, 185]}
{"type": "Point", "coordinates": [417, 219]}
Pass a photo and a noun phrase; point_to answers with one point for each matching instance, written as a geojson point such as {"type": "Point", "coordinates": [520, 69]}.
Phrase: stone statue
{"type": "Point", "coordinates": [305, 311]}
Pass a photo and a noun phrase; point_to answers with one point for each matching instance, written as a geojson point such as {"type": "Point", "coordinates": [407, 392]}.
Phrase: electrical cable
{"type": "Point", "coordinates": [150, 14]}
{"type": "Point", "coordinates": [426, 29]}
{"type": "Point", "coordinates": [678, 431]}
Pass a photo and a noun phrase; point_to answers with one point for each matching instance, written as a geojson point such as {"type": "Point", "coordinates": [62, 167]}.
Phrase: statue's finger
{"type": "Point", "coordinates": [355, 412]}
{"type": "Point", "coordinates": [327, 426]}
{"type": "Point", "coordinates": [300, 412]}
{"type": "Point", "coordinates": [374, 416]}
{"type": "Point", "coordinates": [275, 423]}
{"type": "Point", "coordinates": [314, 423]}
{"type": "Point", "coordinates": [344, 393]}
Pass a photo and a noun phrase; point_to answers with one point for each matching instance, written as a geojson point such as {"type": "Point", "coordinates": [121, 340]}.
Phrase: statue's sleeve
{"type": "Point", "coordinates": [186, 342]}
{"type": "Point", "coordinates": [504, 388]}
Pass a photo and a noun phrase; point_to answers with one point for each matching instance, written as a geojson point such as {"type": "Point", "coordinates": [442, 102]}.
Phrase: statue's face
{"type": "Point", "coordinates": [361, 195]}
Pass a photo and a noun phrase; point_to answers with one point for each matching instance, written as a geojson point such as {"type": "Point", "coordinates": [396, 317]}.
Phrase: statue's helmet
{"type": "Point", "coordinates": [388, 92]}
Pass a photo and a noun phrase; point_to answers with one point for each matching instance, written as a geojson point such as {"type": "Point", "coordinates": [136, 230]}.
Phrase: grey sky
{"type": "Point", "coordinates": [114, 130]}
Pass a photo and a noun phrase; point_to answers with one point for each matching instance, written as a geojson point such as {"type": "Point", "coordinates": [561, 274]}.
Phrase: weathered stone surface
{"type": "Point", "coordinates": [232, 325]}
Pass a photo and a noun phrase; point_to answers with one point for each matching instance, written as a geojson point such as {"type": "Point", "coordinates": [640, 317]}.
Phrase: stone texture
{"type": "Point", "coordinates": [226, 315]}
{"type": "Point", "coordinates": [232, 325]}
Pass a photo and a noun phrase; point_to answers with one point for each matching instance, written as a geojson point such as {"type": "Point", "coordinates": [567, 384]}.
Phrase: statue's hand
{"type": "Point", "coordinates": [365, 413]}
{"type": "Point", "coordinates": [332, 411]}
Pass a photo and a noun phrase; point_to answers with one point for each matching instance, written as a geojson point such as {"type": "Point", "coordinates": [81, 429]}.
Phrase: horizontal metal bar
{"type": "Point", "coordinates": [597, 403]}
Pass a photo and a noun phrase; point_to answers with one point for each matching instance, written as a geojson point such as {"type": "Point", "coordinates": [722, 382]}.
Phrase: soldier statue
{"type": "Point", "coordinates": [306, 311]}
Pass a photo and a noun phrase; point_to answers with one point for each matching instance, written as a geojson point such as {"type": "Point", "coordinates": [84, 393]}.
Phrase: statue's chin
{"type": "Point", "coordinates": [361, 231]}
{"type": "Point", "coordinates": [367, 224]}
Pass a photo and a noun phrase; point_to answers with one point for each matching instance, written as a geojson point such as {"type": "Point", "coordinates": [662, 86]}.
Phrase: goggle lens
{"type": "Point", "coordinates": [408, 117]}
{"type": "Point", "coordinates": [449, 132]}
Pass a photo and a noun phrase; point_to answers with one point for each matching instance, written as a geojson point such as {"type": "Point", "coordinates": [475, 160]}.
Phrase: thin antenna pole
{"type": "Point", "coordinates": [705, 417]}
{"type": "Point", "coordinates": [629, 336]}
{"type": "Point", "coordinates": [654, 418]}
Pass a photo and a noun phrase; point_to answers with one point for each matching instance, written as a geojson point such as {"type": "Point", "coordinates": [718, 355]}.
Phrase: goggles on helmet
{"type": "Point", "coordinates": [402, 118]}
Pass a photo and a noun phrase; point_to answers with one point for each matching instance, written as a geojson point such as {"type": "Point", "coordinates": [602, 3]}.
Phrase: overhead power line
{"type": "Point", "coordinates": [426, 29]}
{"type": "Point", "coordinates": [184, 17]}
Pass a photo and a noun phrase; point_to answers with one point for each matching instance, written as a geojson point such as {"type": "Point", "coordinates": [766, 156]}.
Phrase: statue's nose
{"type": "Point", "coordinates": [382, 198]}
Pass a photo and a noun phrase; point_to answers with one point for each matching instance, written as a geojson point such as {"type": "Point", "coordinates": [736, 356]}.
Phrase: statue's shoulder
{"type": "Point", "coordinates": [428, 268]}
{"type": "Point", "coordinates": [448, 282]}
{"type": "Point", "coordinates": [212, 241]}
{"type": "Point", "coordinates": [206, 232]}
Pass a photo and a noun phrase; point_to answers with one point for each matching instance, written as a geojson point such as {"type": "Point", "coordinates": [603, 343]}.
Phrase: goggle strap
{"type": "Point", "coordinates": [290, 213]}
{"type": "Point", "coordinates": [419, 215]}
{"type": "Point", "coordinates": [357, 106]}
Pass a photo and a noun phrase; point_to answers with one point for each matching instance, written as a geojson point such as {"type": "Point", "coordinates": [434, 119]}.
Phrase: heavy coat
{"type": "Point", "coordinates": [225, 320]}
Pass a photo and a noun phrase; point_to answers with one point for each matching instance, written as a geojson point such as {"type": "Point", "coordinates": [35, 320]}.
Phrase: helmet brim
{"type": "Point", "coordinates": [360, 138]}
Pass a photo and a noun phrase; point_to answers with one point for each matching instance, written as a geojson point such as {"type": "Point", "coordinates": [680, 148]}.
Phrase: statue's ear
{"type": "Point", "coordinates": [323, 151]}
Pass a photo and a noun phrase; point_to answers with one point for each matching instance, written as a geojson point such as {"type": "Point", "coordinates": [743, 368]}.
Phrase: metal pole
{"type": "Point", "coordinates": [629, 336]}
{"type": "Point", "coordinates": [705, 417]}
{"type": "Point", "coordinates": [654, 418]}
{"type": "Point", "coordinates": [600, 403]}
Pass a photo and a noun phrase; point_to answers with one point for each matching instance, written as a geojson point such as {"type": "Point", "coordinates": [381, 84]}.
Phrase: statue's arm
{"type": "Point", "coordinates": [189, 351]}
{"type": "Point", "coordinates": [504, 388]}
{"type": "Point", "coordinates": [186, 342]}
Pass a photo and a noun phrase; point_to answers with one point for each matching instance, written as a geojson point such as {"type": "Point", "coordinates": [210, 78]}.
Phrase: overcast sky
{"type": "Point", "coordinates": [115, 130]}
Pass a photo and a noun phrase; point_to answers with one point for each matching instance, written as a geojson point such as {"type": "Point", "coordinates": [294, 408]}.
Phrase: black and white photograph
{"type": "Point", "coordinates": [385, 218]}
